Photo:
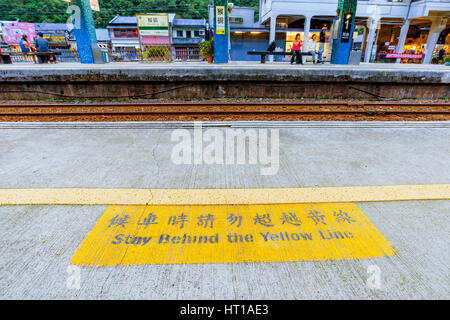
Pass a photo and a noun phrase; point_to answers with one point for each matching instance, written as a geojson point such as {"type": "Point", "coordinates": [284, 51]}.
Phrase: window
{"type": "Point", "coordinates": [180, 33]}
{"type": "Point", "coordinates": [236, 20]}
{"type": "Point", "coordinates": [125, 33]}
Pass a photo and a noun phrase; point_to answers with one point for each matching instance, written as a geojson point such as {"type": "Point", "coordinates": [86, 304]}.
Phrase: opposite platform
{"type": "Point", "coordinates": [235, 80]}
{"type": "Point", "coordinates": [243, 71]}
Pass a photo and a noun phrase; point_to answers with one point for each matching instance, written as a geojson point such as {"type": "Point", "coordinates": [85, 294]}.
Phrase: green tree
{"type": "Point", "coordinates": [34, 10]}
{"type": "Point", "coordinates": [55, 10]}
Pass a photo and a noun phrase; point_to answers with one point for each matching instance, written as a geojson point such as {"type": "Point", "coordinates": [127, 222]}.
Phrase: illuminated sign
{"type": "Point", "coordinates": [347, 26]}
{"type": "Point", "coordinates": [403, 56]}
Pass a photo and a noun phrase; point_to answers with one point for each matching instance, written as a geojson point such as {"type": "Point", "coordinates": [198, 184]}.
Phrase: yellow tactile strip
{"type": "Point", "coordinates": [88, 196]}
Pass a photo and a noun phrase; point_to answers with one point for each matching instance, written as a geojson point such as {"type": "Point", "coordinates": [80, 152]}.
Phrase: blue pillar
{"type": "Point", "coordinates": [343, 45]}
{"type": "Point", "coordinates": [221, 31]}
{"type": "Point", "coordinates": [85, 35]}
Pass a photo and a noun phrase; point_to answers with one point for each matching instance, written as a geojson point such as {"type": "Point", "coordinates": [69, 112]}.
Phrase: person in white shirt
{"type": "Point", "coordinates": [312, 48]}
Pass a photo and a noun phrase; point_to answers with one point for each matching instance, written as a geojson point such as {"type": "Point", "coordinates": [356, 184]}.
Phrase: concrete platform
{"type": "Point", "coordinates": [118, 155]}
{"type": "Point", "coordinates": [32, 269]}
{"type": "Point", "coordinates": [245, 71]}
{"type": "Point", "coordinates": [202, 80]}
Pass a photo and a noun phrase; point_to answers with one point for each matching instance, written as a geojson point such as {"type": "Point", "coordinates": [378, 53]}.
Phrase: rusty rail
{"type": "Point", "coordinates": [118, 111]}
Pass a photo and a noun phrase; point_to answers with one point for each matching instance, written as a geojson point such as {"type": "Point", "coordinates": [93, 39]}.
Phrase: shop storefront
{"type": "Point", "coordinates": [387, 40]}
{"type": "Point", "coordinates": [415, 44]}
{"type": "Point", "coordinates": [443, 43]}
{"type": "Point", "coordinates": [244, 40]}
{"type": "Point", "coordinates": [325, 47]}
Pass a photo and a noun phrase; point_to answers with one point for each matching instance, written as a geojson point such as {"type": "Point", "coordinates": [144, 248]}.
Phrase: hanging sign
{"type": "Point", "coordinates": [347, 26]}
{"type": "Point", "coordinates": [220, 20]}
{"type": "Point", "coordinates": [153, 28]}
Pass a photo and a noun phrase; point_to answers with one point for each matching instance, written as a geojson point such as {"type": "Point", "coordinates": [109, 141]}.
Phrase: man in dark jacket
{"type": "Point", "coordinates": [42, 46]}
{"type": "Point", "coordinates": [322, 41]}
{"type": "Point", "coordinates": [441, 54]}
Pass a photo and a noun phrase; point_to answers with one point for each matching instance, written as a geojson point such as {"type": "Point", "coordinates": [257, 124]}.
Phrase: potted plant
{"type": "Point", "coordinates": [154, 54]}
{"type": "Point", "coordinates": [230, 7]}
{"type": "Point", "coordinates": [207, 50]}
{"type": "Point", "coordinates": [447, 60]}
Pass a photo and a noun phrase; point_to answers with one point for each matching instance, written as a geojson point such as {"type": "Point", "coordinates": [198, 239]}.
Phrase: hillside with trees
{"type": "Point", "coordinates": [55, 10]}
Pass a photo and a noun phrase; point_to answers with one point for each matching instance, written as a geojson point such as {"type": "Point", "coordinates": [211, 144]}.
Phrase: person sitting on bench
{"type": "Point", "coordinates": [42, 46]}
{"type": "Point", "coordinates": [297, 50]}
{"type": "Point", "coordinates": [272, 46]}
{"type": "Point", "coordinates": [312, 48]}
{"type": "Point", "coordinates": [26, 46]}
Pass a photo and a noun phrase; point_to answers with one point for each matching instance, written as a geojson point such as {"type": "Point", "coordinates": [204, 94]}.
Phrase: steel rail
{"type": "Point", "coordinates": [222, 108]}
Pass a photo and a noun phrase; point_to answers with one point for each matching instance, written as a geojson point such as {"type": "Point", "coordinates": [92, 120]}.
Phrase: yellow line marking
{"type": "Point", "coordinates": [132, 235]}
{"type": "Point", "coordinates": [86, 196]}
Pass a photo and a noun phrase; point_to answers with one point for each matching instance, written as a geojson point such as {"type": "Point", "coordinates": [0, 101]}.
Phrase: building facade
{"type": "Point", "coordinates": [123, 33]}
{"type": "Point", "coordinates": [186, 34]}
{"type": "Point", "coordinates": [390, 26]}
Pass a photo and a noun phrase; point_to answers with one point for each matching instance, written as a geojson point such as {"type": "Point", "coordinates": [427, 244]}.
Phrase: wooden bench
{"type": "Point", "coordinates": [5, 57]}
{"type": "Point", "coordinates": [263, 54]}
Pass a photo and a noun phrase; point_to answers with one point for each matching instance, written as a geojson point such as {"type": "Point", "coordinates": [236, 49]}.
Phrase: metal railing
{"type": "Point", "coordinates": [117, 55]}
{"type": "Point", "coordinates": [67, 55]}
{"type": "Point", "coordinates": [125, 54]}
{"type": "Point", "coordinates": [187, 54]}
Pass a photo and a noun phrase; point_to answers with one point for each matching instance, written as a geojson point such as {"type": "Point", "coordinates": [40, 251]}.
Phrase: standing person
{"type": "Point", "coordinates": [42, 46]}
{"type": "Point", "coordinates": [297, 50]}
{"type": "Point", "coordinates": [441, 54]}
{"type": "Point", "coordinates": [322, 41]}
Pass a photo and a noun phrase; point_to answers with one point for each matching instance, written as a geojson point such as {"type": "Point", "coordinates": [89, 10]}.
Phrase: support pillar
{"type": "Point", "coordinates": [437, 26]}
{"type": "Point", "coordinates": [306, 29]}
{"type": "Point", "coordinates": [221, 31]}
{"type": "Point", "coordinates": [343, 45]}
{"type": "Point", "coordinates": [371, 39]}
{"type": "Point", "coordinates": [273, 32]}
{"type": "Point", "coordinates": [85, 34]}
{"type": "Point", "coordinates": [402, 38]}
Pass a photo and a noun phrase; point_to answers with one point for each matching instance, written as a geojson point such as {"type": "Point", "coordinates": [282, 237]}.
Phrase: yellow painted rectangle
{"type": "Point", "coordinates": [132, 235]}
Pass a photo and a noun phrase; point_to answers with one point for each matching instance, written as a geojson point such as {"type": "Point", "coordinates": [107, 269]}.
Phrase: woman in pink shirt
{"type": "Point", "coordinates": [297, 50]}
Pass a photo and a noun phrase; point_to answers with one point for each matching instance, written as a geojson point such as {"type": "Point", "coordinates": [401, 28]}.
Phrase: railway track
{"type": "Point", "coordinates": [225, 110]}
